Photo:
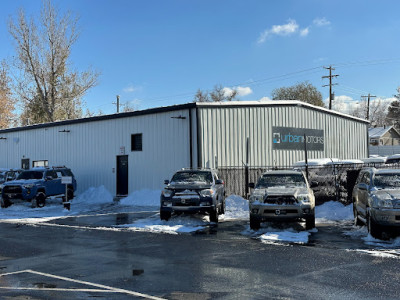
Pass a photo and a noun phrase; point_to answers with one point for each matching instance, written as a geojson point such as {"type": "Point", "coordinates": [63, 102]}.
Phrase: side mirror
{"type": "Point", "coordinates": [314, 184]}
{"type": "Point", "coordinates": [363, 186]}
{"type": "Point", "coordinates": [49, 178]}
{"type": "Point", "coordinates": [219, 181]}
{"type": "Point", "coordinates": [251, 185]}
{"type": "Point", "coordinates": [166, 181]}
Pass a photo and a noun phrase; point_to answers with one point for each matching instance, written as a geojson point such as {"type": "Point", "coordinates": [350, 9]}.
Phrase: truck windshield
{"type": "Point", "coordinates": [30, 175]}
{"type": "Point", "coordinates": [274, 180]}
{"type": "Point", "coordinates": [386, 181]}
{"type": "Point", "coordinates": [192, 177]}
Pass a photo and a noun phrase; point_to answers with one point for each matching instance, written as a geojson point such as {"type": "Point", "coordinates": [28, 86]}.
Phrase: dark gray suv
{"type": "Point", "coordinates": [193, 191]}
{"type": "Point", "coordinates": [376, 200]}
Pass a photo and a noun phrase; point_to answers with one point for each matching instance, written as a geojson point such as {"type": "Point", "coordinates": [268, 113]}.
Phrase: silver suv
{"type": "Point", "coordinates": [282, 196]}
{"type": "Point", "coordinates": [376, 200]}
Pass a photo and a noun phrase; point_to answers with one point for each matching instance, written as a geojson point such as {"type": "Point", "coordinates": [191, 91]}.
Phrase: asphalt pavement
{"type": "Point", "coordinates": [85, 258]}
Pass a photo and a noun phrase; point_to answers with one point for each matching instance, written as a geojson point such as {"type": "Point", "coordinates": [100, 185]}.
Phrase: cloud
{"type": "Point", "coordinates": [305, 31]}
{"type": "Point", "coordinates": [265, 99]}
{"type": "Point", "coordinates": [283, 30]}
{"type": "Point", "coordinates": [347, 104]}
{"type": "Point", "coordinates": [241, 91]}
{"type": "Point", "coordinates": [321, 22]}
{"type": "Point", "coordinates": [129, 89]}
{"type": "Point", "coordinates": [290, 28]}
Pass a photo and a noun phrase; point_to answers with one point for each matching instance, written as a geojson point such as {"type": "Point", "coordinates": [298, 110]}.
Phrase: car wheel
{"type": "Point", "coordinates": [357, 221]}
{"type": "Point", "coordinates": [254, 223]}
{"type": "Point", "coordinates": [165, 215]}
{"type": "Point", "coordinates": [373, 228]}
{"type": "Point", "coordinates": [214, 215]}
{"type": "Point", "coordinates": [310, 222]}
{"type": "Point", "coordinates": [4, 202]}
{"type": "Point", "coordinates": [40, 199]}
{"type": "Point", "coordinates": [222, 211]}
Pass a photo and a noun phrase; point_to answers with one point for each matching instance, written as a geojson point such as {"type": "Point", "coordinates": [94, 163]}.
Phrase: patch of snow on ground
{"type": "Point", "coordinates": [175, 225]}
{"type": "Point", "coordinates": [142, 198]}
{"type": "Point", "coordinates": [333, 211]}
{"type": "Point", "coordinates": [91, 200]}
{"type": "Point", "coordinates": [284, 234]}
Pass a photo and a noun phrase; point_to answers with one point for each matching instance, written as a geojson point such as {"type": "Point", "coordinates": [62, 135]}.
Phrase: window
{"type": "Point", "coordinates": [40, 163]}
{"type": "Point", "coordinates": [136, 142]}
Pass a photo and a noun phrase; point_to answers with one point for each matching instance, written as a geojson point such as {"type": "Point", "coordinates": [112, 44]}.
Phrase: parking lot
{"type": "Point", "coordinates": [122, 250]}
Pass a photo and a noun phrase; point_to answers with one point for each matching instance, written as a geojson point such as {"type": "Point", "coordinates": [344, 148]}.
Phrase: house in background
{"type": "Point", "coordinates": [383, 136]}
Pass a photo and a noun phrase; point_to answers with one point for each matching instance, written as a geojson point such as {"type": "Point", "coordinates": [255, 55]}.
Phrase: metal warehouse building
{"type": "Point", "coordinates": [138, 150]}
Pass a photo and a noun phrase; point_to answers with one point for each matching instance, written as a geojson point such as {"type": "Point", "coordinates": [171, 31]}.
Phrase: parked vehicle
{"type": "Point", "coordinates": [8, 174]}
{"type": "Point", "coordinates": [393, 159]}
{"type": "Point", "coordinates": [376, 200]}
{"type": "Point", "coordinates": [282, 195]}
{"type": "Point", "coordinates": [36, 185]}
{"type": "Point", "coordinates": [193, 191]}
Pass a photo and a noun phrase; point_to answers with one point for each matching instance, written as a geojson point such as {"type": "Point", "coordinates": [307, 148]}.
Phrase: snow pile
{"type": "Point", "coordinates": [281, 234]}
{"type": "Point", "coordinates": [175, 225]}
{"type": "Point", "coordinates": [285, 236]}
{"type": "Point", "coordinates": [333, 212]}
{"type": "Point", "coordinates": [236, 208]}
{"type": "Point", "coordinates": [91, 200]}
{"type": "Point", "coordinates": [94, 195]}
{"type": "Point", "coordinates": [142, 198]}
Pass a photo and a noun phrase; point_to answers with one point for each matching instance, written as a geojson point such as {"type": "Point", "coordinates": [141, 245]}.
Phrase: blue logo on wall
{"type": "Point", "coordinates": [289, 138]}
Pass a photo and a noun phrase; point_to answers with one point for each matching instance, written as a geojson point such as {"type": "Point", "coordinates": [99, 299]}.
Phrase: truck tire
{"type": "Point", "coordinates": [5, 202]}
{"type": "Point", "coordinates": [373, 228]}
{"type": "Point", "coordinates": [165, 215]}
{"type": "Point", "coordinates": [254, 223]}
{"type": "Point", "coordinates": [214, 215]}
{"type": "Point", "coordinates": [40, 199]}
{"type": "Point", "coordinates": [310, 222]}
{"type": "Point", "coordinates": [357, 221]}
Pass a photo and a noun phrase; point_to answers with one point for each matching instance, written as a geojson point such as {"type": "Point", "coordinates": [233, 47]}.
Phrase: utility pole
{"type": "Point", "coordinates": [330, 76]}
{"type": "Point", "coordinates": [117, 104]}
{"type": "Point", "coordinates": [369, 99]}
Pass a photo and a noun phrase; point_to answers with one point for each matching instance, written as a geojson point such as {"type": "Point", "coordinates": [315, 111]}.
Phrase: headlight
{"type": "Point", "coordinates": [207, 193]}
{"type": "Point", "coordinates": [28, 186]}
{"type": "Point", "coordinates": [385, 202]}
{"type": "Point", "coordinates": [303, 198]}
{"type": "Point", "coordinates": [259, 198]}
{"type": "Point", "coordinates": [167, 193]}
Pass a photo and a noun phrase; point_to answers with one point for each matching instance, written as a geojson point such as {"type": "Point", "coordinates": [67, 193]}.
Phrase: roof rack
{"type": "Point", "coordinates": [197, 168]}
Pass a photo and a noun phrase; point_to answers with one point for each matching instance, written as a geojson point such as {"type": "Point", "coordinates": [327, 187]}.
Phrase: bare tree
{"type": "Point", "coordinates": [218, 94]}
{"type": "Point", "coordinates": [201, 96]}
{"type": "Point", "coordinates": [378, 110]}
{"type": "Point", "coordinates": [47, 86]}
{"type": "Point", "coordinates": [393, 115]}
{"type": "Point", "coordinates": [6, 100]}
{"type": "Point", "coordinates": [303, 91]}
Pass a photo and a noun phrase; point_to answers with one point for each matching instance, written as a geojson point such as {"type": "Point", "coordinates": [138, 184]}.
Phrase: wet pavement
{"type": "Point", "coordinates": [84, 257]}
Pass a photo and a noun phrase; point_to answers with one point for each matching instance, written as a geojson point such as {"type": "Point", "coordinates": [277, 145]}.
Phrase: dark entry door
{"type": "Point", "coordinates": [122, 175]}
{"type": "Point", "coordinates": [25, 163]}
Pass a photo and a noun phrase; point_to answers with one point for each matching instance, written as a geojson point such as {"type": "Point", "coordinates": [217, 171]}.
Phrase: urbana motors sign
{"type": "Point", "coordinates": [289, 138]}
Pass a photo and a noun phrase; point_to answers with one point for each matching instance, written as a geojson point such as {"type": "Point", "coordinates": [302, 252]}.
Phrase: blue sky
{"type": "Point", "coordinates": [158, 53]}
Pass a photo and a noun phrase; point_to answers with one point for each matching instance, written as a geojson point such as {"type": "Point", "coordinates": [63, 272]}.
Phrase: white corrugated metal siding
{"type": "Point", "coordinates": [90, 148]}
{"type": "Point", "coordinates": [224, 130]}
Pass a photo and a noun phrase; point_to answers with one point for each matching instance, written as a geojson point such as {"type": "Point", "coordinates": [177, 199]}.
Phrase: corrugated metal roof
{"type": "Point", "coordinates": [377, 132]}
{"type": "Point", "coordinates": [232, 104]}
